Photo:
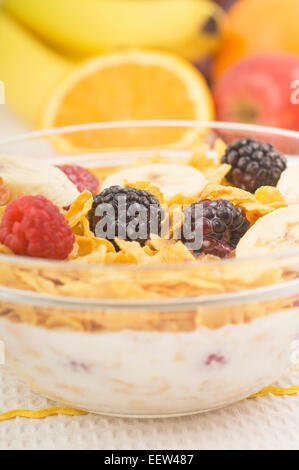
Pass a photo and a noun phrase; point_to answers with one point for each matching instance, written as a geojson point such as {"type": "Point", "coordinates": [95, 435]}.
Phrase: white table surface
{"type": "Point", "coordinates": [10, 124]}
{"type": "Point", "coordinates": [267, 422]}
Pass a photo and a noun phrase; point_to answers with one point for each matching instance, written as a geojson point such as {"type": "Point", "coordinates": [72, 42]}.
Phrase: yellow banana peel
{"type": "Point", "coordinates": [28, 68]}
{"type": "Point", "coordinates": [88, 27]}
{"type": "Point", "coordinates": [31, 69]}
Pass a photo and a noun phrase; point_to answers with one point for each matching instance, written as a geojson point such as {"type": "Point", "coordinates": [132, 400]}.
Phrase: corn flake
{"type": "Point", "coordinates": [269, 195]}
{"type": "Point", "coordinates": [170, 251]}
{"type": "Point", "coordinates": [247, 201]}
{"type": "Point", "coordinates": [79, 208]}
{"type": "Point", "coordinates": [216, 174]}
{"type": "Point", "coordinates": [200, 158]}
{"type": "Point", "coordinates": [133, 251]}
{"type": "Point", "coordinates": [5, 250]}
{"type": "Point", "coordinates": [4, 193]}
{"type": "Point", "coordinates": [98, 255]}
{"type": "Point", "coordinates": [121, 257]}
{"type": "Point", "coordinates": [181, 200]}
{"type": "Point", "coordinates": [177, 253]}
{"type": "Point", "coordinates": [220, 148]}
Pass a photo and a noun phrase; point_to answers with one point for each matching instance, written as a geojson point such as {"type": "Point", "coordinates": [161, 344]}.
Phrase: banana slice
{"type": "Point", "coordinates": [277, 231]}
{"type": "Point", "coordinates": [171, 179]}
{"type": "Point", "coordinates": [24, 175]}
{"type": "Point", "coordinates": [288, 184]}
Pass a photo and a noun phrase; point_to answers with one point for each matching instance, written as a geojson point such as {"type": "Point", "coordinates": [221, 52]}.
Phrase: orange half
{"type": "Point", "coordinates": [125, 86]}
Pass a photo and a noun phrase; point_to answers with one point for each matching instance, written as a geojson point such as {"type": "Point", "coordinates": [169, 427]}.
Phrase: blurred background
{"type": "Point", "coordinates": [77, 61]}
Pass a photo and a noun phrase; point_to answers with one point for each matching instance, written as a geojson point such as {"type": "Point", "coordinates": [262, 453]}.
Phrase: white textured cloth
{"type": "Point", "coordinates": [267, 422]}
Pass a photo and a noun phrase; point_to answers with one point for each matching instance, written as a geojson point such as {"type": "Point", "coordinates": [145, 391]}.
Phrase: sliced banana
{"type": "Point", "coordinates": [171, 179]}
{"type": "Point", "coordinates": [29, 176]}
{"type": "Point", "coordinates": [277, 231]}
{"type": "Point", "coordinates": [288, 184]}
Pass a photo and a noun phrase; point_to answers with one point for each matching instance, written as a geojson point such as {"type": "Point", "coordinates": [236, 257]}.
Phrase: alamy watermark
{"type": "Point", "coordinates": [135, 222]}
{"type": "Point", "coordinates": [295, 93]}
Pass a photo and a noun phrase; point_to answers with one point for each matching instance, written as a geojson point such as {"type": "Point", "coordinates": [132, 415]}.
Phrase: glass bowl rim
{"type": "Point", "coordinates": [230, 126]}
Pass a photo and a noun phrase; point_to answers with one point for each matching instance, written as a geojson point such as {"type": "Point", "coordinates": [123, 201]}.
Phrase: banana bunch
{"type": "Point", "coordinates": [191, 28]}
{"type": "Point", "coordinates": [43, 40]}
{"type": "Point", "coordinates": [27, 176]}
{"type": "Point", "coordinates": [28, 68]}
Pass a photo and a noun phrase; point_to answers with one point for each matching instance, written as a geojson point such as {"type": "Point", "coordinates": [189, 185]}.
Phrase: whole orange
{"type": "Point", "coordinates": [254, 26]}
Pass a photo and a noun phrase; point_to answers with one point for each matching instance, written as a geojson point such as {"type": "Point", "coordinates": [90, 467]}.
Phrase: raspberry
{"type": "Point", "coordinates": [219, 222]}
{"type": "Point", "coordinates": [33, 226]}
{"type": "Point", "coordinates": [254, 164]}
{"type": "Point", "coordinates": [127, 213]}
{"type": "Point", "coordinates": [81, 177]}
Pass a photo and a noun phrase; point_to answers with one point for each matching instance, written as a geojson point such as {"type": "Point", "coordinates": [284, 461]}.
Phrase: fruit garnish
{"type": "Point", "coordinates": [288, 184]}
{"type": "Point", "coordinates": [213, 227]}
{"type": "Point", "coordinates": [255, 26]}
{"type": "Point", "coordinates": [191, 28]}
{"type": "Point", "coordinates": [125, 213]}
{"type": "Point", "coordinates": [278, 231]}
{"type": "Point", "coordinates": [29, 176]}
{"type": "Point", "coordinates": [253, 164]}
{"type": "Point", "coordinates": [30, 26]}
{"type": "Point", "coordinates": [171, 179]}
{"type": "Point", "coordinates": [81, 177]}
{"type": "Point", "coordinates": [257, 90]}
{"type": "Point", "coordinates": [137, 79]}
{"type": "Point", "coordinates": [34, 226]}
{"type": "Point", "coordinates": [211, 246]}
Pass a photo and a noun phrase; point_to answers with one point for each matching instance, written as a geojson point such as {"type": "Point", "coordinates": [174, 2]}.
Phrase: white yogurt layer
{"type": "Point", "coordinates": [153, 373]}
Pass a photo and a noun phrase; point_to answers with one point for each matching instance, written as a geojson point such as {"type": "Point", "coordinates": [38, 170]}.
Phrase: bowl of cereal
{"type": "Point", "coordinates": [156, 275]}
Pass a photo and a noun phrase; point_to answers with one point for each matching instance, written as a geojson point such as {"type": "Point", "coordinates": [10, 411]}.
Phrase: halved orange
{"type": "Point", "coordinates": [125, 86]}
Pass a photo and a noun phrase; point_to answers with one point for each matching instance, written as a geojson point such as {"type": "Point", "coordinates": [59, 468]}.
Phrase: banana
{"type": "Point", "coordinates": [171, 179]}
{"type": "Point", "coordinates": [88, 27]}
{"type": "Point", "coordinates": [27, 176]}
{"type": "Point", "coordinates": [277, 231]}
{"type": "Point", "coordinates": [288, 184]}
{"type": "Point", "coordinates": [29, 69]}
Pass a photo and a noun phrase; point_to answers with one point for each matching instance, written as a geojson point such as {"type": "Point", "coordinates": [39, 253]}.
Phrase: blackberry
{"type": "Point", "coordinates": [216, 226]}
{"type": "Point", "coordinates": [126, 213]}
{"type": "Point", "coordinates": [254, 164]}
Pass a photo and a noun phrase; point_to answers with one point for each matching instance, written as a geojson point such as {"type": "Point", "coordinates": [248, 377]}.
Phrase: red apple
{"type": "Point", "coordinates": [261, 89]}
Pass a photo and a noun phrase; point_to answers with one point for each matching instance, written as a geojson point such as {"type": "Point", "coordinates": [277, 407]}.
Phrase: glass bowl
{"type": "Point", "coordinates": [148, 340]}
